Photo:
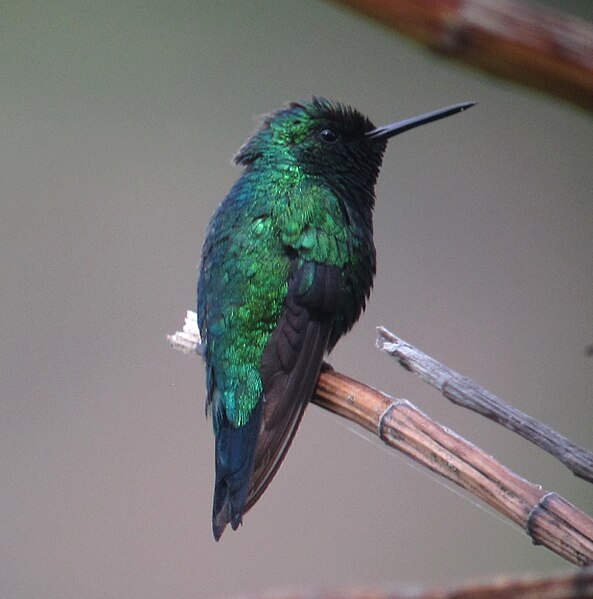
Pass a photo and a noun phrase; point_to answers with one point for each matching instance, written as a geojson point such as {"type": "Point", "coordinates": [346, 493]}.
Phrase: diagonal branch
{"type": "Point", "coordinates": [546, 517]}
{"type": "Point", "coordinates": [467, 394]}
{"type": "Point", "coordinates": [529, 44]}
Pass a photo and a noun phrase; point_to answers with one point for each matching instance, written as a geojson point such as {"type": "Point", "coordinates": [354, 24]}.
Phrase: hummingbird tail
{"type": "Point", "coordinates": [235, 453]}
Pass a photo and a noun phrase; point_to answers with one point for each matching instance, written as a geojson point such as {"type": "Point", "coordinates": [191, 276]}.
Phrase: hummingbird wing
{"type": "Point", "coordinates": [290, 365]}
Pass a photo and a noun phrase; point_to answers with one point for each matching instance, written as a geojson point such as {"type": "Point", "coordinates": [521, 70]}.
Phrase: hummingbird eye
{"type": "Point", "coordinates": [328, 136]}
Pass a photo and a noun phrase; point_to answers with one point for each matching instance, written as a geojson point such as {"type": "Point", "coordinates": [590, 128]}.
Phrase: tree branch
{"type": "Point", "coordinates": [578, 585]}
{"type": "Point", "coordinates": [532, 45]}
{"type": "Point", "coordinates": [546, 517]}
{"type": "Point", "coordinates": [467, 394]}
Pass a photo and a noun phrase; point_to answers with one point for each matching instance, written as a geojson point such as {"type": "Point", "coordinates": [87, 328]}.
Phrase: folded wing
{"type": "Point", "coordinates": [291, 363]}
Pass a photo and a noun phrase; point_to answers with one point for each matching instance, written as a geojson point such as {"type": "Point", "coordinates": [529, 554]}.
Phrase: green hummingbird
{"type": "Point", "coordinates": [287, 267]}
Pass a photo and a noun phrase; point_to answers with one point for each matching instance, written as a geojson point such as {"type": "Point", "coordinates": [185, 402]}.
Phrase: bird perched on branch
{"type": "Point", "coordinates": [287, 267]}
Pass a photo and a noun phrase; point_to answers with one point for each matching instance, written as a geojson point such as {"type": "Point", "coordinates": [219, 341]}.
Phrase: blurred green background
{"type": "Point", "coordinates": [118, 121]}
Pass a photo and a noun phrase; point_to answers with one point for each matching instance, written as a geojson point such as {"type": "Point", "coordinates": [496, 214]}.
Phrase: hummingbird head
{"type": "Point", "coordinates": [328, 140]}
{"type": "Point", "coordinates": [323, 139]}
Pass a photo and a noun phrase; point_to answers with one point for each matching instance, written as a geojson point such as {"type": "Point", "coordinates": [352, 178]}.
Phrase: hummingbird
{"type": "Point", "coordinates": [286, 270]}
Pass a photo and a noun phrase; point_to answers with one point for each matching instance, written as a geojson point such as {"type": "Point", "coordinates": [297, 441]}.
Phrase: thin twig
{"type": "Point", "coordinates": [577, 585]}
{"type": "Point", "coordinates": [547, 518]}
{"type": "Point", "coordinates": [467, 394]}
{"type": "Point", "coordinates": [529, 44]}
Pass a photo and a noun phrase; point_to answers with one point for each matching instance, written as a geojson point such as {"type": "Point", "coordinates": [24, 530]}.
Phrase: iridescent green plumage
{"type": "Point", "coordinates": [286, 269]}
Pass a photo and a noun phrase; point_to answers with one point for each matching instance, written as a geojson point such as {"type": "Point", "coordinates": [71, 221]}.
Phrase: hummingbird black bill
{"type": "Point", "coordinates": [387, 131]}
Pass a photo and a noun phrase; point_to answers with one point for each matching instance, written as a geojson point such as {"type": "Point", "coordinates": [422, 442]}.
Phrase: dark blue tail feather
{"type": "Point", "coordinates": [235, 453]}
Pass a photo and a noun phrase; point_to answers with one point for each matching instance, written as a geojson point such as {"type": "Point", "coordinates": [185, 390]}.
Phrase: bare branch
{"type": "Point", "coordinates": [467, 394]}
{"type": "Point", "coordinates": [545, 516]}
{"type": "Point", "coordinates": [578, 585]}
{"type": "Point", "coordinates": [529, 44]}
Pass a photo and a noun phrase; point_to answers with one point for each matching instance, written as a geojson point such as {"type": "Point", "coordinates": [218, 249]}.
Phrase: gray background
{"type": "Point", "coordinates": [118, 121]}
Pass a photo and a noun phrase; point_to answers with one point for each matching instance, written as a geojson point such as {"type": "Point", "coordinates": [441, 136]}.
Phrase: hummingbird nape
{"type": "Point", "coordinates": [287, 267]}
